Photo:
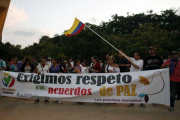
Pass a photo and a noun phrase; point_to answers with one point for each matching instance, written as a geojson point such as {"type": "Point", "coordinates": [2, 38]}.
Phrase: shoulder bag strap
{"type": "Point", "coordinates": [176, 63]}
{"type": "Point", "coordinates": [42, 68]}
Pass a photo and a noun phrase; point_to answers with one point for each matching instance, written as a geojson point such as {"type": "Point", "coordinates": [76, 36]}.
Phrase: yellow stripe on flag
{"type": "Point", "coordinates": [74, 26]}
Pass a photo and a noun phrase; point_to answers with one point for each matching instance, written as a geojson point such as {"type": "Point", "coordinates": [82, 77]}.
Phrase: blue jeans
{"type": "Point", "coordinates": [173, 89]}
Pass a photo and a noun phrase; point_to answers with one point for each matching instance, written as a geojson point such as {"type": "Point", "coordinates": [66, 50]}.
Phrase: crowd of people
{"type": "Point", "coordinates": [123, 63]}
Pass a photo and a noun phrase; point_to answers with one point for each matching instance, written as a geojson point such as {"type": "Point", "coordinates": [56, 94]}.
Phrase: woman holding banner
{"type": "Point", "coordinates": [111, 67]}
{"type": "Point", "coordinates": [56, 68]}
{"type": "Point", "coordinates": [42, 68]}
{"type": "Point", "coordinates": [77, 69]}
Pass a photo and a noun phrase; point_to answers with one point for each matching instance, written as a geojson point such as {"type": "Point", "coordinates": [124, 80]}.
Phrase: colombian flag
{"type": "Point", "coordinates": [76, 28]}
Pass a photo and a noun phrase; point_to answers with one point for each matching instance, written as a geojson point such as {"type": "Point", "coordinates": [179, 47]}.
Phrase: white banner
{"type": "Point", "coordinates": [131, 87]}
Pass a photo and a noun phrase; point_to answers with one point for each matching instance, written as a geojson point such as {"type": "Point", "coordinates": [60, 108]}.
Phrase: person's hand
{"type": "Point", "coordinates": [119, 51]}
{"type": "Point", "coordinates": [168, 65]}
{"type": "Point", "coordinates": [39, 73]}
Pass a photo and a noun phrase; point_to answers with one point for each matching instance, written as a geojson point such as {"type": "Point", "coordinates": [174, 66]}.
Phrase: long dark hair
{"type": "Point", "coordinates": [69, 63]}
{"type": "Point", "coordinates": [75, 62]}
{"type": "Point", "coordinates": [97, 60]}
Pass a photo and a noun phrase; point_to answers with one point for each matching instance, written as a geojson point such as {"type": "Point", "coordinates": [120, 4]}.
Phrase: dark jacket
{"type": "Point", "coordinates": [31, 65]}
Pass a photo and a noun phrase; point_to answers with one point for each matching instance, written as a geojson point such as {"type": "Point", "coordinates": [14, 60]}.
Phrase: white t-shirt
{"type": "Point", "coordinates": [49, 63]}
{"type": "Point", "coordinates": [45, 68]}
{"type": "Point", "coordinates": [84, 70]}
{"type": "Point", "coordinates": [113, 69]}
{"type": "Point", "coordinates": [138, 63]}
{"type": "Point", "coordinates": [72, 64]}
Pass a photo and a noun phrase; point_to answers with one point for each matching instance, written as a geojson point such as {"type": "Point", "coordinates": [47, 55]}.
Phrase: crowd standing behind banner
{"type": "Point", "coordinates": [110, 65]}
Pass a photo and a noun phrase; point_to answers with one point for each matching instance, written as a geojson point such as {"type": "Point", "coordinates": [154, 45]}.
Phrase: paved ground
{"type": "Point", "coordinates": [13, 109]}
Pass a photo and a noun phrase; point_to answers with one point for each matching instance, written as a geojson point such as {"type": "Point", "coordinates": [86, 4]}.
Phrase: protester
{"type": "Point", "coordinates": [82, 64]}
{"type": "Point", "coordinates": [49, 62]}
{"type": "Point", "coordinates": [77, 67]}
{"type": "Point", "coordinates": [14, 67]}
{"type": "Point", "coordinates": [19, 65]}
{"type": "Point", "coordinates": [105, 62]}
{"type": "Point", "coordinates": [42, 68]}
{"type": "Point", "coordinates": [152, 61]}
{"type": "Point", "coordinates": [10, 63]}
{"type": "Point", "coordinates": [178, 52]}
{"type": "Point", "coordinates": [65, 66]}
{"type": "Point", "coordinates": [174, 65]}
{"type": "Point", "coordinates": [27, 66]}
{"type": "Point", "coordinates": [56, 68]}
{"type": "Point", "coordinates": [2, 64]}
{"type": "Point", "coordinates": [123, 63]}
{"type": "Point", "coordinates": [100, 62]}
{"type": "Point", "coordinates": [178, 88]}
{"type": "Point", "coordinates": [112, 67]}
{"type": "Point", "coordinates": [95, 67]}
{"type": "Point", "coordinates": [33, 60]}
{"type": "Point", "coordinates": [70, 66]}
{"type": "Point", "coordinates": [136, 66]}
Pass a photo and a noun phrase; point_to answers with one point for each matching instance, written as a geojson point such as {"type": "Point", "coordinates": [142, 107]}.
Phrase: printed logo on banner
{"type": "Point", "coordinates": [8, 81]}
{"type": "Point", "coordinates": [146, 82]}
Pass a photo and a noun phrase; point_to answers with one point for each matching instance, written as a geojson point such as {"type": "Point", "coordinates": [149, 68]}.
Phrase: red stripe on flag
{"type": "Point", "coordinates": [83, 25]}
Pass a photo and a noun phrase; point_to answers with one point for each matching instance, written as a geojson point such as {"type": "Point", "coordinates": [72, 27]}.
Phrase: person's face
{"type": "Point", "coordinates": [136, 56]}
{"type": "Point", "coordinates": [93, 60]}
{"type": "Point", "coordinates": [120, 55]}
{"type": "Point", "coordinates": [27, 63]}
{"type": "Point", "coordinates": [107, 56]}
{"type": "Point", "coordinates": [78, 63]}
{"type": "Point", "coordinates": [12, 60]}
{"type": "Point", "coordinates": [175, 56]}
{"type": "Point", "coordinates": [100, 61]}
{"type": "Point", "coordinates": [169, 56]}
{"type": "Point", "coordinates": [111, 61]}
{"type": "Point", "coordinates": [179, 53]}
{"type": "Point", "coordinates": [54, 61]}
{"type": "Point", "coordinates": [43, 61]}
{"type": "Point", "coordinates": [83, 64]}
{"type": "Point", "coordinates": [151, 52]}
{"type": "Point", "coordinates": [15, 61]}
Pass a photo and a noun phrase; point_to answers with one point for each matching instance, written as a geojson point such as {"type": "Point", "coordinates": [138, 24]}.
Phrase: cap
{"type": "Point", "coordinates": [152, 47]}
{"type": "Point", "coordinates": [174, 53]}
{"type": "Point", "coordinates": [49, 57]}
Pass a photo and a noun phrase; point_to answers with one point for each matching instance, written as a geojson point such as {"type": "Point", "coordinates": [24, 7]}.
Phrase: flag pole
{"type": "Point", "coordinates": [106, 41]}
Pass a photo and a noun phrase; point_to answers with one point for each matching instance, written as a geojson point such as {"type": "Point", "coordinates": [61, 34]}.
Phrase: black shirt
{"type": "Point", "coordinates": [153, 62]}
{"type": "Point", "coordinates": [122, 61]}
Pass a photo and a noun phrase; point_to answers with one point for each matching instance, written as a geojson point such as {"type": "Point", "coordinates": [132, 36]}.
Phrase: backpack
{"type": "Point", "coordinates": [7, 69]}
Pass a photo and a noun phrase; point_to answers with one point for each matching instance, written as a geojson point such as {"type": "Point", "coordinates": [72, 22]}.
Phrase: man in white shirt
{"type": "Point", "coordinates": [136, 65]}
{"type": "Point", "coordinates": [49, 62]}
